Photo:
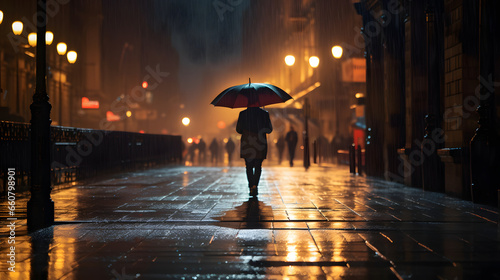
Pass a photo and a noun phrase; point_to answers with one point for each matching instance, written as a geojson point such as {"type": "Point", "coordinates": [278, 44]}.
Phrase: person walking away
{"type": "Point", "coordinates": [202, 150]}
{"type": "Point", "coordinates": [253, 124]}
{"type": "Point", "coordinates": [291, 139]}
{"type": "Point", "coordinates": [191, 152]}
{"type": "Point", "coordinates": [280, 144]}
{"type": "Point", "coordinates": [230, 146]}
{"type": "Point", "coordinates": [214, 151]}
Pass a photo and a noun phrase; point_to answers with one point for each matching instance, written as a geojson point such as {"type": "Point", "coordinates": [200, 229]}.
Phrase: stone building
{"type": "Point", "coordinates": [430, 66]}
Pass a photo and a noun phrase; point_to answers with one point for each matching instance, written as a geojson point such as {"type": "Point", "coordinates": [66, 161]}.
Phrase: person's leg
{"type": "Point", "coordinates": [258, 171]}
{"type": "Point", "coordinates": [249, 163]}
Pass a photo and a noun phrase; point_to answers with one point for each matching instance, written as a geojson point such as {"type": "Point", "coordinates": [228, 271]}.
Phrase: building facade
{"type": "Point", "coordinates": [430, 66]}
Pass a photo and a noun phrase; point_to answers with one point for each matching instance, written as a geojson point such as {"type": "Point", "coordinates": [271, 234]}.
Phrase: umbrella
{"type": "Point", "coordinates": [250, 95]}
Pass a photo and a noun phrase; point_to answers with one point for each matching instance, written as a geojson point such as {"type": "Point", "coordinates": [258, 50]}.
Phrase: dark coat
{"type": "Point", "coordinates": [253, 125]}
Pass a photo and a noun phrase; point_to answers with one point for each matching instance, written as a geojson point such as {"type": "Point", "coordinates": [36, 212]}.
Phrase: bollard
{"type": "Point", "coordinates": [352, 159]}
{"type": "Point", "coordinates": [360, 162]}
{"type": "Point", "coordinates": [315, 151]}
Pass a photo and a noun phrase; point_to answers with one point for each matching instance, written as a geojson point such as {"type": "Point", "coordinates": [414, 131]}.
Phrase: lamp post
{"type": "Point", "coordinates": [307, 161]}
{"type": "Point", "coordinates": [71, 56]}
{"type": "Point", "coordinates": [314, 63]}
{"type": "Point", "coordinates": [17, 29]}
{"type": "Point", "coordinates": [49, 38]}
{"type": "Point", "coordinates": [290, 61]}
{"type": "Point", "coordinates": [61, 51]}
{"type": "Point", "coordinates": [337, 52]}
{"type": "Point", "coordinates": [1, 51]}
{"type": "Point", "coordinates": [40, 207]}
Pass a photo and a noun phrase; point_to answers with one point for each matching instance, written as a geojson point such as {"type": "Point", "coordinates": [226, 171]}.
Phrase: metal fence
{"type": "Point", "coordinates": [84, 153]}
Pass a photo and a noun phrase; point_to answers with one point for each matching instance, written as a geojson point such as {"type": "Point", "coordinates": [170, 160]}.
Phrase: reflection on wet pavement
{"type": "Point", "coordinates": [200, 223]}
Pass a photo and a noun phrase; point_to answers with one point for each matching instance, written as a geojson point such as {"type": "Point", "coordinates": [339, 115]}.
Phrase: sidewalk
{"type": "Point", "coordinates": [200, 223]}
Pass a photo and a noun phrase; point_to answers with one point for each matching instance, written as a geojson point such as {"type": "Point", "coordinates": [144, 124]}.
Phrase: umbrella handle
{"type": "Point", "coordinates": [249, 82]}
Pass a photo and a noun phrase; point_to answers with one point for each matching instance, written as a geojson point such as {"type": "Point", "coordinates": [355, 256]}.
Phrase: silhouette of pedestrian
{"type": "Point", "coordinates": [202, 150]}
{"type": "Point", "coordinates": [214, 151]}
{"type": "Point", "coordinates": [253, 125]}
{"type": "Point", "coordinates": [280, 144]}
{"type": "Point", "coordinates": [230, 146]}
{"type": "Point", "coordinates": [291, 139]}
{"type": "Point", "coordinates": [191, 151]}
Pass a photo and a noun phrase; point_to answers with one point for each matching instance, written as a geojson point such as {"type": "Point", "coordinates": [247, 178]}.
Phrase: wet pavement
{"type": "Point", "coordinates": [200, 223]}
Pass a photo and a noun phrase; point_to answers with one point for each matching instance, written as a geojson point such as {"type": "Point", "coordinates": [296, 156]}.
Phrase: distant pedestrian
{"type": "Point", "coordinates": [230, 146]}
{"type": "Point", "coordinates": [323, 148]}
{"type": "Point", "coordinates": [253, 125]}
{"type": "Point", "coordinates": [280, 144]}
{"type": "Point", "coordinates": [214, 151]}
{"type": "Point", "coordinates": [202, 151]}
{"type": "Point", "coordinates": [291, 139]}
{"type": "Point", "coordinates": [191, 152]}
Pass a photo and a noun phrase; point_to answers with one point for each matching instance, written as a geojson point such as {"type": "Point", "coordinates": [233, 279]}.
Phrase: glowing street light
{"type": "Point", "coordinates": [290, 60]}
{"type": "Point", "coordinates": [1, 17]}
{"type": "Point", "coordinates": [337, 52]}
{"type": "Point", "coordinates": [314, 61]}
{"type": "Point", "coordinates": [49, 37]}
{"type": "Point", "coordinates": [71, 57]}
{"type": "Point", "coordinates": [61, 48]}
{"type": "Point", "coordinates": [32, 39]}
{"type": "Point", "coordinates": [129, 114]}
{"type": "Point", "coordinates": [186, 121]}
{"type": "Point", "coordinates": [17, 27]}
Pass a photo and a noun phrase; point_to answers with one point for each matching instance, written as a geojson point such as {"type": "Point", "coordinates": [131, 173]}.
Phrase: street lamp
{"type": "Point", "coordinates": [32, 39]}
{"type": "Point", "coordinates": [61, 50]}
{"type": "Point", "coordinates": [1, 17]}
{"type": "Point", "coordinates": [71, 56]}
{"type": "Point", "coordinates": [186, 121]}
{"type": "Point", "coordinates": [17, 27]}
{"type": "Point", "coordinates": [337, 52]}
{"type": "Point", "coordinates": [49, 37]}
{"type": "Point", "coordinates": [290, 61]}
{"type": "Point", "coordinates": [314, 61]}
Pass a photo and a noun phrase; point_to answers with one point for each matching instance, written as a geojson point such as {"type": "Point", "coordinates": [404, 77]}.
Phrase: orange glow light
{"type": "Point", "coordinates": [89, 104]}
{"type": "Point", "coordinates": [221, 124]}
{"type": "Point", "coordinates": [144, 84]}
{"type": "Point", "coordinates": [111, 117]}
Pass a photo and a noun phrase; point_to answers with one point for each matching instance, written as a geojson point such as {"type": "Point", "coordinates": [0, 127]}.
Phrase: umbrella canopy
{"type": "Point", "coordinates": [250, 95]}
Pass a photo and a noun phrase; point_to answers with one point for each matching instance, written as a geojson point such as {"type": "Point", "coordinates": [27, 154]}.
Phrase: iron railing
{"type": "Point", "coordinates": [83, 153]}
